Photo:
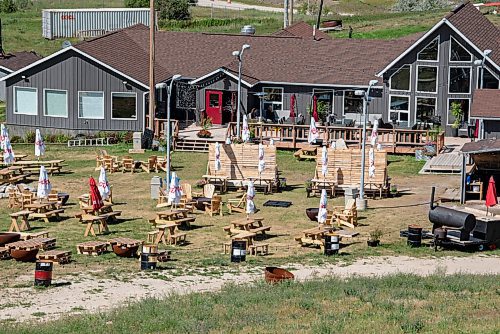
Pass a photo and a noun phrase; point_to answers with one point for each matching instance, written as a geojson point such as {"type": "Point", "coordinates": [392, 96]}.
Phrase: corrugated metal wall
{"type": "Point", "coordinates": [73, 73]}
{"type": "Point", "coordinates": [59, 23]}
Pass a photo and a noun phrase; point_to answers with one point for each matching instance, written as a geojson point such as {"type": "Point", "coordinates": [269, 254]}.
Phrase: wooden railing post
{"type": "Point", "coordinates": [294, 133]}
{"type": "Point", "coordinates": [393, 140]}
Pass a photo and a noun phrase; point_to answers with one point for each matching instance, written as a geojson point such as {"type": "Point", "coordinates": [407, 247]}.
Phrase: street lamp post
{"type": "Point", "coordinates": [480, 62]}
{"type": "Point", "coordinates": [239, 56]}
{"type": "Point", "coordinates": [167, 135]}
{"type": "Point", "coordinates": [366, 100]}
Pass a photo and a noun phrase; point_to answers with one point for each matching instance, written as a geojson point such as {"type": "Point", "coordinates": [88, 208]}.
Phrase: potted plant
{"type": "Point", "coordinates": [458, 113]}
{"type": "Point", "coordinates": [374, 240]}
{"type": "Point", "coordinates": [308, 186]}
{"type": "Point", "coordinates": [206, 123]}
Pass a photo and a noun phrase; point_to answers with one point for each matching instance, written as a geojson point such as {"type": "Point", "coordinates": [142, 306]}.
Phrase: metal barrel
{"type": "Point", "coordinates": [414, 236]}
{"type": "Point", "coordinates": [149, 257]}
{"type": "Point", "coordinates": [43, 273]}
{"type": "Point", "coordinates": [332, 244]}
{"type": "Point", "coordinates": [238, 250]}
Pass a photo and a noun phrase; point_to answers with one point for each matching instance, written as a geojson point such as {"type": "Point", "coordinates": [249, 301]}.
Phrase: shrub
{"type": "Point", "coordinates": [129, 137]}
{"type": "Point", "coordinates": [24, 4]}
{"type": "Point", "coordinates": [62, 138]}
{"type": "Point", "coordinates": [174, 10]}
{"type": "Point", "coordinates": [136, 3]}
{"type": "Point", "coordinates": [51, 138]}
{"type": "Point", "coordinates": [8, 6]}
{"type": "Point", "coordinates": [418, 5]}
{"type": "Point", "coordinates": [16, 139]}
{"type": "Point", "coordinates": [29, 137]}
{"type": "Point", "coordinates": [204, 134]}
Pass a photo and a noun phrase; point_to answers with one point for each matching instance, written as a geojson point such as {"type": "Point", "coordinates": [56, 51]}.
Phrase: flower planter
{"type": "Point", "coordinates": [312, 214]}
{"type": "Point", "coordinates": [373, 243]}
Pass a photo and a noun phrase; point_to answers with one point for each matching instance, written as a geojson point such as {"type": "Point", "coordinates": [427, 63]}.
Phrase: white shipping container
{"type": "Point", "coordinates": [90, 22]}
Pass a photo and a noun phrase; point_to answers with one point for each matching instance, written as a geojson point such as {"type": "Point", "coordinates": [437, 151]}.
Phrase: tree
{"type": "Point", "coordinates": [8, 6]}
{"type": "Point", "coordinates": [174, 9]}
{"type": "Point", "coordinates": [136, 3]}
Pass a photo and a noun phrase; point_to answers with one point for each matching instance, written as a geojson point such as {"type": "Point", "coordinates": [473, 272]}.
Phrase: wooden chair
{"type": "Point", "coordinates": [187, 197]}
{"type": "Point", "coordinates": [150, 165]}
{"type": "Point", "coordinates": [208, 191]}
{"type": "Point", "coordinates": [237, 204]}
{"type": "Point", "coordinates": [53, 197]}
{"type": "Point", "coordinates": [27, 197]}
{"type": "Point", "coordinates": [347, 215]}
{"type": "Point", "coordinates": [162, 198]}
{"type": "Point", "coordinates": [110, 164]}
{"type": "Point", "coordinates": [128, 164]}
{"type": "Point", "coordinates": [15, 199]}
{"type": "Point", "coordinates": [215, 206]}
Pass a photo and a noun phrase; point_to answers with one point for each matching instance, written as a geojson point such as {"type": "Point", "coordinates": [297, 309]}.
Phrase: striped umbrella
{"type": "Point", "coordinates": [44, 186]}
{"type": "Point", "coordinates": [103, 186]}
{"type": "Point", "coordinates": [245, 132]}
{"type": "Point", "coordinates": [250, 196]}
{"type": "Point", "coordinates": [322, 213]}
{"type": "Point", "coordinates": [8, 153]}
{"type": "Point", "coordinates": [39, 144]}
{"type": "Point", "coordinates": [95, 196]}
{"type": "Point", "coordinates": [174, 193]}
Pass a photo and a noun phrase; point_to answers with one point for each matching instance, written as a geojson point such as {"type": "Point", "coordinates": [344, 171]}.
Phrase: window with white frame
{"type": "Point", "coordinates": [459, 80]}
{"type": "Point", "coordinates": [430, 52]}
{"type": "Point", "coordinates": [124, 105]}
{"type": "Point", "coordinates": [458, 52]}
{"type": "Point", "coordinates": [273, 100]}
{"type": "Point", "coordinates": [427, 79]}
{"type": "Point", "coordinates": [400, 80]}
{"type": "Point", "coordinates": [399, 109]}
{"type": "Point", "coordinates": [25, 101]}
{"type": "Point", "coordinates": [91, 105]}
{"type": "Point", "coordinates": [55, 103]}
{"type": "Point", "coordinates": [463, 105]}
{"type": "Point", "coordinates": [490, 81]}
{"type": "Point", "coordinates": [325, 97]}
{"type": "Point", "coordinates": [353, 104]}
{"type": "Point", "coordinates": [425, 109]}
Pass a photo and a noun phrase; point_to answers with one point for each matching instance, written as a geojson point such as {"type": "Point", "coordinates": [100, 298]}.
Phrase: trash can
{"type": "Point", "coordinates": [350, 193]}
{"type": "Point", "coordinates": [238, 250]}
{"type": "Point", "coordinates": [155, 187]}
{"type": "Point", "coordinates": [137, 140]}
{"type": "Point", "coordinates": [43, 273]}
{"type": "Point", "coordinates": [332, 243]}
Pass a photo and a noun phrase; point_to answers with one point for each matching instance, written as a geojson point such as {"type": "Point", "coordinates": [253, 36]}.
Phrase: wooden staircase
{"type": "Point", "coordinates": [192, 145]}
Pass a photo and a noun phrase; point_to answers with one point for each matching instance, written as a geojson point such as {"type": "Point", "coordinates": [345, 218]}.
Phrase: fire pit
{"type": "Point", "coordinates": [312, 213]}
{"type": "Point", "coordinates": [275, 275]}
{"type": "Point", "coordinates": [200, 202]}
{"type": "Point", "coordinates": [7, 237]}
{"type": "Point", "coordinates": [24, 255]}
{"type": "Point", "coordinates": [125, 247]}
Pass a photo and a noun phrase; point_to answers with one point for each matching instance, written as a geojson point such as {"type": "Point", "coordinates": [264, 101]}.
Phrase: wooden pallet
{"type": "Point", "coordinates": [47, 243]}
{"type": "Point", "coordinates": [37, 243]}
{"type": "Point", "coordinates": [93, 248]}
{"type": "Point", "coordinates": [55, 256]}
{"type": "Point", "coordinates": [127, 242]}
{"type": "Point", "coordinates": [4, 253]}
{"type": "Point", "coordinates": [28, 236]}
{"type": "Point", "coordinates": [163, 256]}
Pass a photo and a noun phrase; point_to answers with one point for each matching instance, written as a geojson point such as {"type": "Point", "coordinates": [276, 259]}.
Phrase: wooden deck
{"type": "Point", "coordinates": [446, 163]}
{"type": "Point", "coordinates": [288, 136]}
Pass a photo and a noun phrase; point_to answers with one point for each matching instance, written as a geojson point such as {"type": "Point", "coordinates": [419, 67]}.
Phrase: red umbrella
{"type": "Point", "coordinates": [491, 194]}
{"type": "Point", "coordinates": [292, 107]}
{"type": "Point", "coordinates": [95, 196]}
{"type": "Point", "coordinates": [315, 108]}
{"type": "Point", "coordinates": [476, 130]}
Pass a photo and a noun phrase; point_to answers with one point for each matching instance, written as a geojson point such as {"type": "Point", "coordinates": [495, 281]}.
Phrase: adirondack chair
{"type": "Point", "coordinates": [187, 197]}
{"type": "Point", "coordinates": [128, 164]}
{"type": "Point", "coordinates": [215, 206]}
{"type": "Point", "coordinates": [110, 164]}
{"type": "Point", "coordinates": [27, 197]}
{"type": "Point", "coordinates": [347, 215]}
{"type": "Point", "coordinates": [208, 191]}
{"type": "Point", "coordinates": [162, 198]}
{"type": "Point", "coordinates": [237, 204]}
{"type": "Point", "coordinates": [14, 199]}
{"type": "Point", "coordinates": [150, 165]}
{"type": "Point", "coordinates": [53, 197]}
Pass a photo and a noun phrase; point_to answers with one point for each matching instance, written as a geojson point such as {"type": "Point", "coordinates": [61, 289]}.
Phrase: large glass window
{"type": "Point", "coordinates": [124, 105]}
{"type": "Point", "coordinates": [489, 80]}
{"type": "Point", "coordinates": [273, 99]}
{"type": "Point", "coordinates": [426, 109]}
{"type": "Point", "coordinates": [399, 110]}
{"type": "Point", "coordinates": [353, 104]}
{"type": "Point", "coordinates": [463, 105]}
{"type": "Point", "coordinates": [401, 79]}
{"type": "Point", "coordinates": [430, 52]}
{"type": "Point", "coordinates": [325, 98]}
{"type": "Point", "coordinates": [25, 101]}
{"type": "Point", "coordinates": [459, 80]}
{"type": "Point", "coordinates": [91, 105]}
{"type": "Point", "coordinates": [427, 79]}
{"type": "Point", "coordinates": [55, 103]}
{"type": "Point", "coordinates": [458, 52]}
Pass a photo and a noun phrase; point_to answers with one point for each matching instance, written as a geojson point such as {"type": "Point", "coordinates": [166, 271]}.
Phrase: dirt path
{"type": "Point", "coordinates": [86, 294]}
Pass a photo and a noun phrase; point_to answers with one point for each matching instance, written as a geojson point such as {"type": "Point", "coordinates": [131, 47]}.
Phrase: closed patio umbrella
{"type": "Point", "coordinates": [174, 193]}
{"type": "Point", "coordinates": [371, 163]}
{"type": "Point", "coordinates": [315, 108]}
{"type": "Point", "coordinates": [3, 135]}
{"type": "Point", "coordinates": [250, 196]}
{"type": "Point", "coordinates": [324, 161]}
{"type": "Point", "coordinates": [313, 132]}
{"type": "Point", "coordinates": [44, 186]}
{"type": "Point", "coordinates": [8, 153]}
{"type": "Point", "coordinates": [245, 132]}
{"type": "Point", "coordinates": [103, 186]}
{"type": "Point", "coordinates": [95, 196]}
{"type": "Point", "coordinates": [322, 213]}
{"type": "Point", "coordinates": [262, 164]}
{"type": "Point", "coordinates": [217, 164]}
{"type": "Point", "coordinates": [292, 107]}
{"type": "Point", "coordinates": [374, 136]}
{"type": "Point", "coordinates": [491, 194]}
{"type": "Point", "coordinates": [39, 144]}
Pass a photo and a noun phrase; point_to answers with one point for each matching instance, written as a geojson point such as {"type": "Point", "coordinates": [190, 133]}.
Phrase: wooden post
{"type": "Point", "coordinates": [393, 140]}
{"type": "Point", "coordinates": [152, 100]}
{"type": "Point", "coordinates": [294, 133]}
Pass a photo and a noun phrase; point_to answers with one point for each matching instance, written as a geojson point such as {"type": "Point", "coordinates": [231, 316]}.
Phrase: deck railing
{"type": "Point", "coordinates": [295, 136]}
{"type": "Point", "coordinates": [159, 128]}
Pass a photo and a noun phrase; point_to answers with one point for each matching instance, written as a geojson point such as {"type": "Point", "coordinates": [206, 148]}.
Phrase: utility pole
{"type": "Point", "coordinates": [290, 16]}
{"type": "Point", "coordinates": [285, 13]}
{"type": "Point", "coordinates": [152, 100]}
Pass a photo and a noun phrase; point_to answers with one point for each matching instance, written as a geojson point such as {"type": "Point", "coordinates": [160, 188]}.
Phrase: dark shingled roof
{"type": "Point", "coordinates": [16, 61]}
{"type": "Point", "coordinates": [477, 28]}
{"type": "Point", "coordinates": [482, 146]}
{"type": "Point", "coordinates": [270, 58]}
{"type": "Point", "coordinates": [486, 103]}
{"type": "Point", "coordinates": [302, 30]}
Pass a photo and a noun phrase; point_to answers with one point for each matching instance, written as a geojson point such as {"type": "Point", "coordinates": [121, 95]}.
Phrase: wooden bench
{"type": "Point", "coordinates": [177, 238]}
{"type": "Point", "coordinates": [46, 215]}
{"type": "Point", "coordinates": [28, 236]}
{"type": "Point", "coordinates": [93, 248]}
{"type": "Point", "coordinates": [187, 221]}
{"type": "Point", "coordinates": [111, 215]}
{"type": "Point", "coordinates": [256, 249]}
{"type": "Point", "coordinates": [261, 229]}
{"type": "Point", "coordinates": [18, 178]}
{"type": "Point", "coordinates": [23, 215]}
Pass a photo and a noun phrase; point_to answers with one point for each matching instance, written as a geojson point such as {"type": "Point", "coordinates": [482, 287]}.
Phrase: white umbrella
{"type": "Point", "coordinates": [8, 153]}
{"type": "Point", "coordinates": [313, 132]}
{"type": "Point", "coordinates": [39, 144]}
{"type": "Point", "coordinates": [228, 140]}
{"type": "Point", "coordinates": [245, 132]}
{"type": "Point", "coordinates": [374, 136]}
{"type": "Point", "coordinates": [103, 185]}
{"type": "Point", "coordinates": [44, 185]}
{"type": "Point", "coordinates": [262, 163]}
{"type": "Point", "coordinates": [371, 163]}
{"type": "Point", "coordinates": [271, 142]}
{"type": "Point", "coordinates": [3, 135]}
{"type": "Point", "coordinates": [324, 161]}
{"type": "Point", "coordinates": [250, 197]}
{"type": "Point", "coordinates": [322, 213]}
{"type": "Point", "coordinates": [217, 166]}
{"type": "Point", "coordinates": [174, 193]}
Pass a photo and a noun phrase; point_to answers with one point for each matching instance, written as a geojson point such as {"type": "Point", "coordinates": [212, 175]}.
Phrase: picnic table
{"type": "Point", "coordinates": [23, 216]}
{"type": "Point", "coordinates": [18, 157]}
{"type": "Point", "coordinates": [177, 216]}
{"type": "Point", "coordinates": [252, 225]}
{"type": "Point", "coordinates": [306, 153]}
{"type": "Point", "coordinates": [314, 236]}
{"type": "Point", "coordinates": [105, 211]}
{"type": "Point", "coordinates": [219, 181]}
{"type": "Point", "coordinates": [51, 166]}
{"type": "Point", "coordinates": [43, 210]}
{"type": "Point", "coordinates": [90, 220]}
{"type": "Point", "coordinates": [12, 174]}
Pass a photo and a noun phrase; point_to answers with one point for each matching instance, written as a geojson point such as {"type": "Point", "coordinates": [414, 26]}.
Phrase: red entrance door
{"type": "Point", "coordinates": [213, 105]}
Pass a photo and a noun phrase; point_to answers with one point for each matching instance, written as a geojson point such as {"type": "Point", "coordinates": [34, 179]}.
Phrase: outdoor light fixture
{"type": "Point", "coordinates": [239, 55]}
{"type": "Point", "coordinates": [167, 135]}
{"type": "Point", "coordinates": [366, 99]}
{"type": "Point", "coordinates": [161, 85]}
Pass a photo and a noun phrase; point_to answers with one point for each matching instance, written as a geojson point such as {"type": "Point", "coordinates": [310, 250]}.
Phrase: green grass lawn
{"type": "Point", "coordinates": [394, 304]}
